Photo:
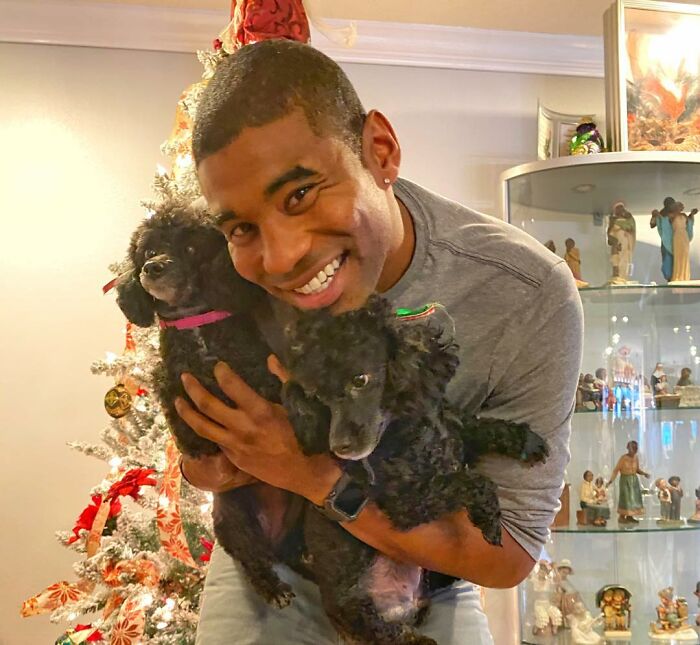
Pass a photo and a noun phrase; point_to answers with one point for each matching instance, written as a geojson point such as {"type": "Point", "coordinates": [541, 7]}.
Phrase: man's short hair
{"type": "Point", "coordinates": [266, 81]}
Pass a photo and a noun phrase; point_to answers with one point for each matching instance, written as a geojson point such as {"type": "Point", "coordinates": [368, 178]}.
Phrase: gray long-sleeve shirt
{"type": "Point", "coordinates": [518, 324]}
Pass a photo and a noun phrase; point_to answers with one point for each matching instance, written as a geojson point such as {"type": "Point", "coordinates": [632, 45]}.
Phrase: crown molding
{"type": "Point", "coordinates": [126, 26]}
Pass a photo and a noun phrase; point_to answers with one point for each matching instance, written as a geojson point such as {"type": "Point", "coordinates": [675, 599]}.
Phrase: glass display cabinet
{"type": "Point", "coordinates": [640, 383]}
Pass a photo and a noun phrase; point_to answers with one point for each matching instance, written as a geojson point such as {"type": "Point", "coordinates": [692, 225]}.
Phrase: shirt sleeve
{"type": "Point", "coordinates": [533, 380]}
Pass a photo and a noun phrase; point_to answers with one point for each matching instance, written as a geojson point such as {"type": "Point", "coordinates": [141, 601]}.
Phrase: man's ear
{"type": "Point", "coordinates": [381, 152]}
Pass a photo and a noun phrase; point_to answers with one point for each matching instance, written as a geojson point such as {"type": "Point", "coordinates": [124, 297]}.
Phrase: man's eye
{"type": "Point", "coordinates": [241, 229]}
{"type": "Point", "coordinates": [297, 197]}
{"type": "Point", "coordinates": [150, 253]}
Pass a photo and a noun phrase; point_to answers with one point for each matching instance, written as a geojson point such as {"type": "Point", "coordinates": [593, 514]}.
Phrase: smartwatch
{"type": "Point", "coordinates": [345, 501]}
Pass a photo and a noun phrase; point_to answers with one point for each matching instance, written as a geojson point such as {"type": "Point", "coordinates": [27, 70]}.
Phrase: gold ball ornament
{"type": "Point", "coordinates": [117, 401]}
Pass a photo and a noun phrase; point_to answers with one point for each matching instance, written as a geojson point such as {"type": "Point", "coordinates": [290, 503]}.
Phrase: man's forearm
{"type": "Point", "coordinates": [450, 545]}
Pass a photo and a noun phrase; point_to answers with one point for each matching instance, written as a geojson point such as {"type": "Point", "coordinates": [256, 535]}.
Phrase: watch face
{"type": "Point", "coordinates": [351, 500]}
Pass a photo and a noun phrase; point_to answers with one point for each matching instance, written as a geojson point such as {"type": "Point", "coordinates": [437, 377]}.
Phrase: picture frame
{"type": "Point", "coordinates": [554, 132]}
{"type": "Point", "coordinates": [652, 75]}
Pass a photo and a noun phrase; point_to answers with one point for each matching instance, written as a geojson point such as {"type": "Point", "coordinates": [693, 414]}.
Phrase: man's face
{"type": "Point", "coordinates": [303, 217]}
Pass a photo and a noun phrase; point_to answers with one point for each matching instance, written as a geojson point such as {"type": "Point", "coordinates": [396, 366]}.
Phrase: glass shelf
{"type": "Point", "coordinates": [637, 411]}
{"type": "Point", "coordinates": [650, 295]}
{"type": "Point", "coordinates": [646, 525]}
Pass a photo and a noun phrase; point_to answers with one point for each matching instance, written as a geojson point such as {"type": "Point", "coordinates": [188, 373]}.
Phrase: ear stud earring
{"type": "Point", "coordinates": [387, 181]}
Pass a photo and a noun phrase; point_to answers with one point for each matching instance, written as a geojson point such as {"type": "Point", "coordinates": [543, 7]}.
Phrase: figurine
{"type": "Point", "coordinates": [588, 396]}
{"type": "Point", "coordinates": [674, 485]}
{"type": "Point", "coordinates": [587, 140]}
{"type": "Point", "coordinates": [567, 594]}
{"type": "Point", "coordinates": [550, 245]}
{"type": "Point", "coordinates": [593, 504]}
{"type": "Point", "coordinates": [663, 492]}
{"type": "Point", "coordinates": [685, 379]}
{"type": "Point", "coordinates": [630, 494]}
{"type": "Point", "coordinates": [572, 257]}
{"type": "Point", "coordinates": [615, 605]}
{"type": "Point", "coordinates": [661, 221]}
{"type": "Point", "coordinates": [581, 624]}
{"type": "Point", "coordinates": [621, 239]}
{"type": "Point", "coordinates": [672, 619]}
{"type": "Point", "coordinates": [682, 225]}
{"type": "Point", "coordinates": [656, 376]}
{"type": "Point", "coordinates": [695, 517]}
{"type": "Point", "coordinates": [547, 616]}
{"type": "Point", "coordinates": [696, 593]}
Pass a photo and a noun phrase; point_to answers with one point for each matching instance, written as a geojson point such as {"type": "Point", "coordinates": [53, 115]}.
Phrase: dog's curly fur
{"type": "Point", "coordinates": [180, 266]}
{"type": "Point", "coordinates": [416, 452]}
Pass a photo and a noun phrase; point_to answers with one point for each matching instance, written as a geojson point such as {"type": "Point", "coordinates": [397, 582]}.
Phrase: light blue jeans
{"type": "Point", "coordinates": [233, 614]}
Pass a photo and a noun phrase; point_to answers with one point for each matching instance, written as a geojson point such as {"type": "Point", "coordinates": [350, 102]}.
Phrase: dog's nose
{"type": "Point", "coordinates": [153, 268]}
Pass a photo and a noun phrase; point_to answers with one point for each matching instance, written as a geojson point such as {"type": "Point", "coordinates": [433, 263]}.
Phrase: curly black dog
{"type": "Point", "coordinates": [182, 274]}
{"type": "Point", "coordinates": [384, 383]}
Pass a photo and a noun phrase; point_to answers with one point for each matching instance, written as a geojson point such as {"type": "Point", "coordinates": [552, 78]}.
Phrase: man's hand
{"type": "Point", "coordinates": [256, 436]}
{"type": "Point", "coordinates": [214, 473]}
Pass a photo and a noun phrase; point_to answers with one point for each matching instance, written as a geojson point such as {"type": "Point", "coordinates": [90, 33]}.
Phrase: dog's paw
{"type": "Point", "coordinates": [535, 449]}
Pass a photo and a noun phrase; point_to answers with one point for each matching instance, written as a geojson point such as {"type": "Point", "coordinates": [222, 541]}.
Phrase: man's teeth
{"type": "Point", "coordinates": [321, 280]}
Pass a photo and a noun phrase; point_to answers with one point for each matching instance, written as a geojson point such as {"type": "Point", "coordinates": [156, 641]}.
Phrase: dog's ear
{"type": "Point", "coordinates": [134, 301]}
{"type": "Point", "coordinates": [421, 361]}
{"type": "Point", "coordinates": [223, 288]}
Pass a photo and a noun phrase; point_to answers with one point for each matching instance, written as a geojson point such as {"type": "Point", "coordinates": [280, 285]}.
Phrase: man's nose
{"type": "Point", "coordinates": [283, 248]}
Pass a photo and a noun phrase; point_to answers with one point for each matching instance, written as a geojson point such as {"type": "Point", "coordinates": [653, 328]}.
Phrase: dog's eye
{"type": "Point", "coordinates": [191, 250]}
{"type": "Point", "coordinates": [149, 254]}
{"type": "Point", "coordinates": [360, 381]}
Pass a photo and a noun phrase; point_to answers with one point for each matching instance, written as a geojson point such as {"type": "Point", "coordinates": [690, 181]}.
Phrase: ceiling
{"type": "Point", "coordinates": [547, 16]}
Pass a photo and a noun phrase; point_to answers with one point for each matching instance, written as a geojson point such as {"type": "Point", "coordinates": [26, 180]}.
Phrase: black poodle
{"type": "Point", "coordinates": [181, 274]}
{"type": "Point", "coordinates": [383, 382]}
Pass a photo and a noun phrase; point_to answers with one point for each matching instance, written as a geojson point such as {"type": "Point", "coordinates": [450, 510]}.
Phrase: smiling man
{"type": "Point", "coordinates": [306, 189]}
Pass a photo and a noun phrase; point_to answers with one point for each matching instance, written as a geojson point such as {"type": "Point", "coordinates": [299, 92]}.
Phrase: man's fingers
{"type": "Point", "coordinates": [209, 405]}
{"type": "Point", "coordinates": [202, 425]}
{"type": "Point", "coordinates": [275, 367]}
{"type": "Point", "coordinates": [246, 398]}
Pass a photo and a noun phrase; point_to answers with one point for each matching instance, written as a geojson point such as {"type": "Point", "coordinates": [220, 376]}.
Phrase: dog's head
{"type": "Point", "coordinates": [180, 264]}
{"type": "Point", "coordinates": [367, 368]}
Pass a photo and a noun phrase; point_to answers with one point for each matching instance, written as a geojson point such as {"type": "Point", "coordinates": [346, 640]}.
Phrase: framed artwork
{"type": "Point", "coordinates": [652, 75]}
{"type": "Point", "coordinates": [554, 132]}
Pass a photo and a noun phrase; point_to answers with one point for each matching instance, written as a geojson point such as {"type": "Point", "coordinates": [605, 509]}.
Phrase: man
{"type": "Point", "coordinates": [307, 191]}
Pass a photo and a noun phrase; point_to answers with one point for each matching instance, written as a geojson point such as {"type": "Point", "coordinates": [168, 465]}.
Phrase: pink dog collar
{"type": "Point", "coordinates": [190, 322]}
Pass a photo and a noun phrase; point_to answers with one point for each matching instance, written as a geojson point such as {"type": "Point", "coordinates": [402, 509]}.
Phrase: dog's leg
{"type": "Point", "coordinates": [345, 571]}
{"type": "Point", "coordinates": [238, 531]}
{"type": "Point", "coordinates": [516, 440]}
{"type": "Point", "coordinates": [478, 494]}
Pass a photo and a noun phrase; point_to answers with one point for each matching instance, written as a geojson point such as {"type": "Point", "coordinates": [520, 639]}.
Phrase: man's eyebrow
{"type": "Point", "coordinates": [298, 172]}
{"type": "Point", "coordinates": [224, 216]}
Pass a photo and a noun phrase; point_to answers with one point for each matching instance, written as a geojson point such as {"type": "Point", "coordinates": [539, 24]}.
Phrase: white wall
{"type": "Point", "coordinates": [80, 131]}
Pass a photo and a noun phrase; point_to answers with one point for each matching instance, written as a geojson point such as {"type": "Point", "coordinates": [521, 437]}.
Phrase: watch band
{"type": "Point", "coordinates": [345, 501]}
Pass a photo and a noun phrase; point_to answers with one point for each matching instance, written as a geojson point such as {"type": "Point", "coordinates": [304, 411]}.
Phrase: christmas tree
{"type": "Point", "coordinates": [145, 538]}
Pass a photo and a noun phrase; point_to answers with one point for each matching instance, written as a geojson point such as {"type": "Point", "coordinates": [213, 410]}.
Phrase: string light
{"type": "Point", "coordinates": [170, 604]}
{"type": "Point", "coordinates": [625, 319]}
{"type": "Point", "coordinates": [162, 172]}
{"type": "Point", "coordinates": [110, 358]}
{"type": "Point", "coordinates": [146, 600]}
{"type": "Point", "coordinates": [163, 501]}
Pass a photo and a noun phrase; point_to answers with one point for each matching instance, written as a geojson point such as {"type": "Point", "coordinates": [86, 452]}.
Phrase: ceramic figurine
{"type": "Point", "coordinates": [629, 502]}
{"type": "Point", "coordinates": [593, 501]}
{"type": "Point", "coordinates": [547, 619]}
{"type": "Point", "coordinates": [685, 379]}
{"type": "Point", "coordinates": [587, 140]}
{"type": "Point", "coordinates": [674, 485]}
{"type": "Point", "coordinates": [566, 592]}
{"type": "Point", "coordinates": [696, 593]}
{"type": "Point", "coordinates": [663, 492]}
{"type": "Point", "coordinates": [588, 396]}
{"type": "Point", "coordinates": [615, 605]}
{"type": "Point", "coordinates": [581, 624]}
{"type": "Point", "coordinates": [682, 226]}
{"type": "Point", "coordinates": [551, 246]}
{"type": "Point", "coordinates": [572, 257]}
{"type": "Point", "coordinates": [622, 235]}
{"type": "Point", "coordinates": [672, 619]}
{"type": "Point", "coordinates": [662, 223]}
{"type": "Point", "coordinates": [656, 376]}
{"type": "Point", "coordinates": [695, 517]}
